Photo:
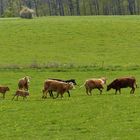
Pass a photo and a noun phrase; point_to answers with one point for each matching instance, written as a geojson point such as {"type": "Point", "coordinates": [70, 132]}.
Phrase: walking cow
{"type": "Point", "coordinates": [123, 82]}
{"type": "Point", "coordinates": [3, 90]}
{"type": "Point", "coordinates": [67, 81]}
{"type": "Point", "coordinates": [22, 93]}
{"type": "Point", "coordinates": [57, 86]}
{"type": "Point", "coordinates": [94, 84]}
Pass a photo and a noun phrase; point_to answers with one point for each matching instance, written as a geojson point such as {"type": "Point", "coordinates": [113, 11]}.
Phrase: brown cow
{"type": "Point", "coordinates": [67, 81]}
{"type": "Point", "coordinates": [3, 90]}
{"type": "Point", "coordinates": [24, 83]}
{"type": "Point", "coordinates": [123, 82]}
{"type": "Point", "coordinates": [22, 93]}
{"type": "Point", "coordinates": [94, 84]}
{"type": "Point", "coordinates": [57, 86]}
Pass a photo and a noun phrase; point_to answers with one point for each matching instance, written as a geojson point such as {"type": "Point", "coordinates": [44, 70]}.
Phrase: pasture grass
{"type": "Point", "coordinates": [72, 41]}
{"type": "Point", "coordinates": [102, 117]}
{"type": "Point", "coordinates": [70, 47]}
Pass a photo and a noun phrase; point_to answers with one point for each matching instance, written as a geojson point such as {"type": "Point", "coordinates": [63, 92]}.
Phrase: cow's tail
{"type": "Point", "coordinates": [82, 85]}
{"type": "Point", "coordinates": [136, 85]}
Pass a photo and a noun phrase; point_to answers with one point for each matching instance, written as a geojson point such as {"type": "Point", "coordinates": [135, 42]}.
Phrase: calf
{"type": "Point", "coordinates": [57, 86]}
{"type": "Point", "coordinates": [123, 82]}
{"type": "Point", "coordinates": [3, 90]}
{"type": "Point", "coordinates": [21, 93]}
{"type": "Point", "coordinates": [94, 84]}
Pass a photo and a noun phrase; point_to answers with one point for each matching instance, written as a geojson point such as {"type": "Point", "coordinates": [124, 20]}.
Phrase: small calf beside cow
{"type": "Point", "coordinates": [61, 86]}
{"type": "Point", "coordinates": [23, 88]}
{"type": "Point", "coordinates": [22, 93]}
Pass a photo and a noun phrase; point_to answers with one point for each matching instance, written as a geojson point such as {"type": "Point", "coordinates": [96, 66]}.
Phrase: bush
{"type": "Point", "coordinates": [26, 13]}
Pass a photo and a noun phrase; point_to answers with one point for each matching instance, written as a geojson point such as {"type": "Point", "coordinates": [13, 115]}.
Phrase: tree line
{"type": "Point", "coordinates": [11, 8]}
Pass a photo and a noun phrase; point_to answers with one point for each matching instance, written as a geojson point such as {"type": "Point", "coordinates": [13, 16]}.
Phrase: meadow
{"type": "Point", "coordinates": [70, 47]}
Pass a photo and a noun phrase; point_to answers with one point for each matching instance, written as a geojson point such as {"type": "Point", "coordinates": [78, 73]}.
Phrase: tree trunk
{"type": "Point", "coordinates": [36, 7]}
{"type": "Point", "coordinates": [1, 8]}
{"type": "Point", "coordinates": [71, 7]}
{"type": "Point", "coordinates": [61, 8]}
{"type": "Point", "coordinates": [77, 7]}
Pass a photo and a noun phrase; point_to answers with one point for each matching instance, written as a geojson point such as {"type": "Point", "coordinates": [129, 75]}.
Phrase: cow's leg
{"type": "Point", "coordinates": [132, 90]}
{"type": "Point", "coordinates": [68, 93]}
{"type": "Point", "coordinates": [120, 91]}
{"type": "Point", "coordinates": [90, 91]}
{"type": "Point", "coordinates": [57, 95]}
{"type": "Point", "coordinates": [100, 89]}
{"type": "Point", "coordinates": [17, 97]}
{"type": "Point", "coordinates": [116, 91]}
{"type": "Point", "coordinates": [61, 95]}
{"type": "Point", "coordinates": [51, 94]}
{"type": "Point", "coordinates": [87, 91]}
{"type": "Point", "coordinates": [3, 95]}
{"type": "Point", "coordinates": [44, 94]}
{"type": "Point", "coordinates": [24, 97]}
{"type": "Point", "coordinates": [13, 97]}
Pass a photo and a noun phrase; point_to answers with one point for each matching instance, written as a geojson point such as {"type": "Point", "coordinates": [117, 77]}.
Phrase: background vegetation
{"type": "Point", "coordinates": [70, 47]}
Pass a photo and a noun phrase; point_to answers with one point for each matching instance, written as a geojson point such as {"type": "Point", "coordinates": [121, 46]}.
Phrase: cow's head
{"type": "Point", "coordinates": [7, 89]}
{"type": "Point", "coordinates": [73, 81]}
{"type": "Point", "coordinates": [108, 87]}
{"type": "Point", "coordinates": [27, 78]}
{"type": "Point", "coordinates": [71, 85]}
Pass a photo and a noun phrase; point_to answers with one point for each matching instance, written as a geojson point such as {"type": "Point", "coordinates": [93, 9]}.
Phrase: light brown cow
{"type": "Point", "coordinates": [22, 93]}
{"type": "Point", "coordinates": [57, 86]}
{"type": "Point", "coordinates": [24, 83]}
{"type": "Point", "coordinates": [3, 90]}
{"type": "Point", "coordinates": [94, 84]}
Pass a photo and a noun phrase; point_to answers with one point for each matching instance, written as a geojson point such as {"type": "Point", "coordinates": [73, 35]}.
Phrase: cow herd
{"type": "Point", "coordinates": [61, 86]}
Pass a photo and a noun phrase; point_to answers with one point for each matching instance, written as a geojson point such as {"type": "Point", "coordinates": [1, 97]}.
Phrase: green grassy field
{"type": "Point", "coordinates": [57, 40]}
{"type": "Point", "coordinates": [70, 47]}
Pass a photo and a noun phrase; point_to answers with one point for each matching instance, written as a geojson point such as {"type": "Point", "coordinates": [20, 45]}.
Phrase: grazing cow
{"type": "Point", "coordinates": [94, 84]}
{"type": "Point", "coordinates": [123, 82]}
{"type": "Point", "coordinates": [57, 86]}
{"type": "Point", "coordinates": [24, 83]}
{"type": "Point", "coordinates": [22, 93]}
{"type": "Point", "coordinates": [3, 90]}
{"type": "Point", "coordinates": [67, 81]}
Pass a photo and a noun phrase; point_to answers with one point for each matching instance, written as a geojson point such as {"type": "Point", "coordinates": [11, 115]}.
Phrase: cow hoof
{"type": "Point", "coordinates": [43, 97]}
